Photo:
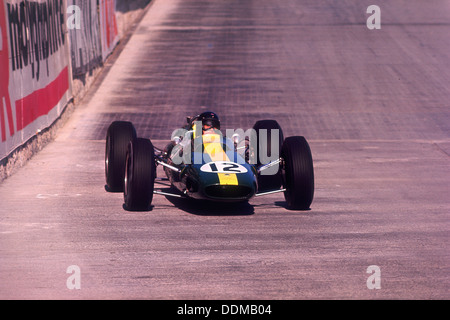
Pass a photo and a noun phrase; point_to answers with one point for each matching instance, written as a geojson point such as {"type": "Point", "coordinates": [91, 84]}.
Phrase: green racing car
{"type": "Point", "coordinates": [201, 163]}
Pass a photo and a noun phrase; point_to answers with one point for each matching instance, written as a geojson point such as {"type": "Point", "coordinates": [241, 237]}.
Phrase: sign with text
{"type": "Point", "coordinates": [108, 26]}
{"type": "Point", "coordinates": [34, 68]}
{"type": "Point", "coordinates": [85, 45]}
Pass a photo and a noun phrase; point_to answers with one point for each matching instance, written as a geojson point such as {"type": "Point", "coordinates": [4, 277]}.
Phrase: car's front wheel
{"type": "Point", "coordinates": [140, 173]}
{"type": "Point", "coordinates": [298, 173]}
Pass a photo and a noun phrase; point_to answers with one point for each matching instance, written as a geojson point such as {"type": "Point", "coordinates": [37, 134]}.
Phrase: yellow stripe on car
{"type": "Point", "coordinates": [213, 147]}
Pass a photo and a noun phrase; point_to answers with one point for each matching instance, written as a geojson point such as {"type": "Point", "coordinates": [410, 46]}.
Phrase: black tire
{"type": "Point", "coordinates": [273, 181]}
{"type": "Point", "coordinates": [117, 138]}
{"type": "Point", "coordinates": [298, 173]}
{"type": "Point", "coordinates": [140, 173]}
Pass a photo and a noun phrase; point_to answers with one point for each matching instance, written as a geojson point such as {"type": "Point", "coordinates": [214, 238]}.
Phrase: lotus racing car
{"type": "Point", "coordinates": [201, 163]}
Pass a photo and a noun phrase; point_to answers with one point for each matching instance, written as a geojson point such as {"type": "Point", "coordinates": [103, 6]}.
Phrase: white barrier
{"type": "Point", "coordinates": [108, 26]}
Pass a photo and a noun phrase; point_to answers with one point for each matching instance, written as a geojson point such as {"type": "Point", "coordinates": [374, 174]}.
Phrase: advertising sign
{"type": "Point", "coordinates": [34, 68]}
{"type": "Point", "coordinates": [85, 44]}
{"type": "Point", "coordinates": [108, 26]}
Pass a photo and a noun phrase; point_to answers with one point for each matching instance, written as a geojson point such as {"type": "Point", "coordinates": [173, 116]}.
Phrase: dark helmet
{"type": "Point", "coordinates": [210, 119]}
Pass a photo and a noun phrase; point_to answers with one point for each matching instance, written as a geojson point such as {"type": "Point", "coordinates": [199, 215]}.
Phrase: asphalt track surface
{"type": "Point", "coordinates": [374, 105]}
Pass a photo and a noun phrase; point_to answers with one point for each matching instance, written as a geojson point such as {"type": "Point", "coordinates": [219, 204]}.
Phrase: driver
{"type": "Point", "coordinates": [210, 123]}
{"type": "Point", "coordinates": [210, 126]}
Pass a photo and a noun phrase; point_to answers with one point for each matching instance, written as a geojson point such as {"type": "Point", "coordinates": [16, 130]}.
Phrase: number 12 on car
{"type": "Point", "coordinates": [223, 167]}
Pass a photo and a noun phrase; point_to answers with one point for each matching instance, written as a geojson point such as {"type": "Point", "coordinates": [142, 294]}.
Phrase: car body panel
{"type": "Point", "coordinates": [218, 173]}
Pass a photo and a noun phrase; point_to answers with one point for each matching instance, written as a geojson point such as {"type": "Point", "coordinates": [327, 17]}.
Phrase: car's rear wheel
{"type": "Point", "coordinates": [118, 136]}
{"type": "Point", "coordinates": [270, 179]}
{"type": "Point", "coordinates": [298, 173]}
{"type": "Point", "coordinates": [140, 173]}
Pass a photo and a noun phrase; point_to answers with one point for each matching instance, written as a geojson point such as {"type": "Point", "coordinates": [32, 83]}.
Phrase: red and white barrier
{"type": "Point", "coordinates": [35, 77]}
{"type": "Point", "coordinates": [35, 61]}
